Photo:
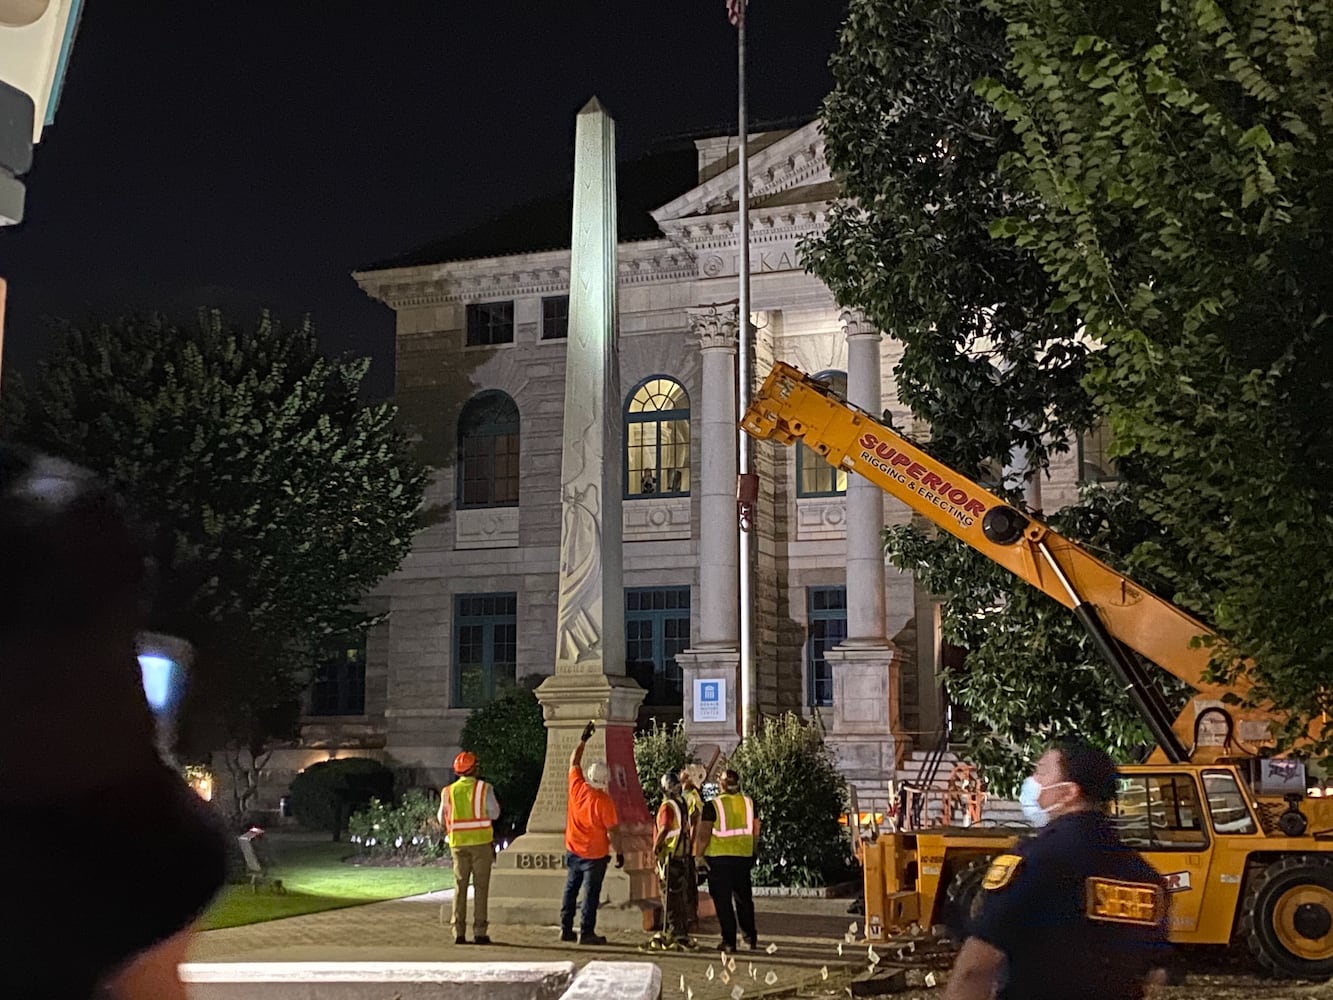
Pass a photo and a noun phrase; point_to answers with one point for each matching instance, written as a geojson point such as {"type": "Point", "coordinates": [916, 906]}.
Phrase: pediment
{"type": "Point", "coordinates": [790, 171]}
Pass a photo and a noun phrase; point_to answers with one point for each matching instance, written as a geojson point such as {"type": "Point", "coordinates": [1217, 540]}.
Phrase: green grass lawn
{"type": "Point", "coordinates": [316, 878]}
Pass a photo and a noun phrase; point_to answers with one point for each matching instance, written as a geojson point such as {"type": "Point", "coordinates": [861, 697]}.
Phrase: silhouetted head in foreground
{"type": "Point", "coordinates": [119, 855]}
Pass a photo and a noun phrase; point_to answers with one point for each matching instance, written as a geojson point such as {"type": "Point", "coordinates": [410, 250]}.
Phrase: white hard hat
{"type": "Point", "coordinates": [598, 774]}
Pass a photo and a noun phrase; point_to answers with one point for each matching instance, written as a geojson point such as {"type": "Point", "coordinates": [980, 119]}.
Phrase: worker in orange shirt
{"type": "Point", "coordinates": [467, 809]}
{"type": "Point", "coordinates": [592, 829]}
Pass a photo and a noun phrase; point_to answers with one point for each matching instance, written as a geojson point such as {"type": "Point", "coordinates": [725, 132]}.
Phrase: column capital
{"type": "Point", "coordinates": [855, 324]}
{"type": "Point", "coordinates": [715, 326]}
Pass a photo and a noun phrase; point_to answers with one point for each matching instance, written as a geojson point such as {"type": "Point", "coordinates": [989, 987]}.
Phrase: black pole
{"type": "Point", "coordinates": [1130, 673]}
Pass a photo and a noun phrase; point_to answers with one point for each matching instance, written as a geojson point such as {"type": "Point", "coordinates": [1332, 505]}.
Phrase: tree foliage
{"type": "Point", "coordinates": [325, 795]}
{"type": "Point", "coordinates": [800, 795]}
{"type": "Point", "coordinates": [1177, 163]}
{"type": "Point", "coordinates": [990, 361]}
{"type": "Point", "coordinates": [1031, 674]}
{"type": "Point", "coordinates": [657, 751]}
{"type": "Point", "coordinates": [276, 497]}
{"type": "Point", "coordinates": [509, 738]}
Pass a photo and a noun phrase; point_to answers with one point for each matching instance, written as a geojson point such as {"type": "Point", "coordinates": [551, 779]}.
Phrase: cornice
{"type": "Point", "coordinates": [793, 160]}
{"type": "Point", "coordinates": [545, 273]}
{"type": "Point", "coordinates": [782, 224]}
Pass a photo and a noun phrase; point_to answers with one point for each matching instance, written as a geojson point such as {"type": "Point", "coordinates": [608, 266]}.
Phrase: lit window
{"type": "Point", "coordinates": [657, 439]}
{"type": "Point", "coordinates": [815, 477]}
{"type": "Point", "coordinates": [488, 452]}
{"type": "Point", "coordinates": [485, 647]}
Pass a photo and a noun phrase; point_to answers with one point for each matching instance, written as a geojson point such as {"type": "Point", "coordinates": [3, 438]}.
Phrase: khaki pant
{"type": "Point", "coordinates": [471, 863]}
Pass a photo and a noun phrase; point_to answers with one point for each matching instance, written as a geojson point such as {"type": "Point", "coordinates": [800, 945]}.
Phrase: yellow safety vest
{"type": "Point", "coordinates": [674, 842]}
{"type": "Point", "coordinates": [733, 829]}
{"type": "Point", "coordinates": [694, 802]}
{"type": "Point", "coordinates": [468, 823]}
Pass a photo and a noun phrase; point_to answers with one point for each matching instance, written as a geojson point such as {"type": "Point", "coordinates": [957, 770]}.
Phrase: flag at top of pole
{"type": "Point", "coordinates": [736, 10]}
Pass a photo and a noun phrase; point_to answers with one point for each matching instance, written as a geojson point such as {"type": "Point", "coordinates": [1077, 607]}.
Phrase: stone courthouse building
{"type": "Point", "coordinates": [481, 322]}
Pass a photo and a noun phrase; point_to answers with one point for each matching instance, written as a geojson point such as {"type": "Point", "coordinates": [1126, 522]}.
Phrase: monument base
{"type": "Point", "coordinates": [529, 878]}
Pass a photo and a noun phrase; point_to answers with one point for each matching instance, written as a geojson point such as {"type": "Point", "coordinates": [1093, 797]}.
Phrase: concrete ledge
{"type": "Point", "coordinates": [616, 981]}
{"type": "Point", "coordinates": [382, 980]}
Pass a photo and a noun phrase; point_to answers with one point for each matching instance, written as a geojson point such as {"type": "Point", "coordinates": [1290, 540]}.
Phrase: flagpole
{"type": "Point", "coordinates": [749, 701]}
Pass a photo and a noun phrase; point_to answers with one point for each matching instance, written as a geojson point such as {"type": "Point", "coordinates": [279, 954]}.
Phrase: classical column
{"type": "Point", "coordinates": [865, 500]}
{"type": "Point", "coordinates": [716, 329]}
{"type": "Point", "coordinates": [864, 665]}
{"type": "Point", "coordinates": [710, 667]}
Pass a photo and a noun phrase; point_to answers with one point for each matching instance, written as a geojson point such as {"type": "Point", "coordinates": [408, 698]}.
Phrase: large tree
{"type": "Point", "coordinates": [276, 497]}
{"type": "Point", "coordinates": [990, 362]}
{"type": "Point", "coordinates": [1177, 160]}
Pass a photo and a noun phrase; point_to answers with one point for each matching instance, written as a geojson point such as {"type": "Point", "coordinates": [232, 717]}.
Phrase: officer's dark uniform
{"type": "Point", "coordinates": [1076, 913]}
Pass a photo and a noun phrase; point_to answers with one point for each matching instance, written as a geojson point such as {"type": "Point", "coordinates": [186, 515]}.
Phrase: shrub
{"type": "Point", "coordinates": [509, 738]}
{"type": "Point", "coordinates": [800, 797]}
{"type": "Point", "coordinates": [325, 794]}
{"type": "Point", "coordinates": [660, 749]}
{"type": "Point", "coordinates": [406, 830]}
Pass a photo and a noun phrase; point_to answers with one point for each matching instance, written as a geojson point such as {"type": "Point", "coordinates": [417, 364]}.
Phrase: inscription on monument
{"type": "Point", "coordinates": [538, 862]}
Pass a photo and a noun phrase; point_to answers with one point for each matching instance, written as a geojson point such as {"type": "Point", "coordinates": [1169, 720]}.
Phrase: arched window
{"type": "Point", "coordinates": [814, 476]}
{"type": "Point", "coordinates": [488, 451]}
{"type": "Point", "coordinates": [657, 439]}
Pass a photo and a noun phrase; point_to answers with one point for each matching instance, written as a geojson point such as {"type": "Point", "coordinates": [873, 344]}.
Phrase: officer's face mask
{"type": "Point", "coordinates": [1030, 801]}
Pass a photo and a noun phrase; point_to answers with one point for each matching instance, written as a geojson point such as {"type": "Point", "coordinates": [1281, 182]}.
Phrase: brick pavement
{"type": "Point", "coordinates": [806, 933]}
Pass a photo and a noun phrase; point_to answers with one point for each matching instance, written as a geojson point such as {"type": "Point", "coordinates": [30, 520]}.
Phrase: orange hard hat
{"type": "Point", "coordinates": [465, 762]}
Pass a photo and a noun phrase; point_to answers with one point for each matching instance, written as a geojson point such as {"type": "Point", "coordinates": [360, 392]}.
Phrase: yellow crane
{"type": "Point", "coordinates": [1225, 821]}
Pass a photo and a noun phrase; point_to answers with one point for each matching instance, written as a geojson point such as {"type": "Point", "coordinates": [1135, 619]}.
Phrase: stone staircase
{"type": "Point", "coordinates": [876, 796]}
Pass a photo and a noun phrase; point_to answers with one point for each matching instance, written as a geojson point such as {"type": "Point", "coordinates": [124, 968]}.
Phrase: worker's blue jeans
{"type": "Point", "coordinates": [587, 873]}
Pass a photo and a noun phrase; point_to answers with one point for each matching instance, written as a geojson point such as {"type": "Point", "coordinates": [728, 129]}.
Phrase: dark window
{"type": "Point", "coordinates": [1095, 465]}
{"type": "Point", "coordinates": [657, 439]}
{"type": "Point", "coordinates": [657, 627]}
{"type": "Point", "coordinates": [485, 647]}
{"type": "Point", "coordinates": [814, 476]}
{"type": "Point", "coordinates": [339, 685]}
{"type": "Point", "coordinates": [555, 317]}
{"type": "Point", "coordinates": [490, 323]}
{"type": "Point", "coordinates": [488, 452]}
{"type": "Point", "coordinates": [827, 610]}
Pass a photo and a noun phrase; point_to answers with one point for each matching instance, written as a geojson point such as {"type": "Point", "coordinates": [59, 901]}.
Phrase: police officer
{"type": "Point", "coordinates": [671, 846]}
{"type": "Point", "coordinates": [1072, 912]}
{"type": "Point", "coordinates": [727, 842]}
{"type": "Point", "coordinates": [467, 809]}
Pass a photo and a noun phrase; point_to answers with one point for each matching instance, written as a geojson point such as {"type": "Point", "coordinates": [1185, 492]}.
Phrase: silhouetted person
{"type": "Point", "coordinates": [117, 856]}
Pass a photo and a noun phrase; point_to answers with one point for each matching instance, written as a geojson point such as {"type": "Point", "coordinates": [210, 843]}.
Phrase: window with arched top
{"type": "Point", "coordinates": [657, 439]}
{"type": "Point", "coordinates": [488, 451]}
{"type": "Point", "coordinates": [814, 476]}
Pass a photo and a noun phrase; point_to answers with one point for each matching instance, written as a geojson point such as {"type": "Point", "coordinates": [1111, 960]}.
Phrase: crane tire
{"type": "Point", "coordinates": [1288, 917]}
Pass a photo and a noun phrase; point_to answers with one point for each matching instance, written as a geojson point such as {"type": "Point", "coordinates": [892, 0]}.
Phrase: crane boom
{"type": "Point", "coordinates": [1118, 614]}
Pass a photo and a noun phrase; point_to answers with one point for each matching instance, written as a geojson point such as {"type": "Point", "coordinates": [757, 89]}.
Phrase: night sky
{"type": "Point", "coordinates": [251, 154]}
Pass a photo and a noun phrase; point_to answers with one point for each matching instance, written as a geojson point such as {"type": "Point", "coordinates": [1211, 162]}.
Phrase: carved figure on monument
{"type": "Point", "coordinates": [578, 636]}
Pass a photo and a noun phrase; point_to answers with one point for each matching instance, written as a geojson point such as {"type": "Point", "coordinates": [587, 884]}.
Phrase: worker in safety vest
{"type": "Point", "coordinates": [725, 848]}
{"type": "Point", "coordinates": [671, 847]}
{"type": "Point", "coordinates": [692, 782]}
{"type": "Point", "coordinates": [467, 808]}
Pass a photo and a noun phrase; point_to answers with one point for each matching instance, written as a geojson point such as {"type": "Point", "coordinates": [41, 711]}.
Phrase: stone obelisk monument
{"type": "Point", "coordinates": [589, 680]}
